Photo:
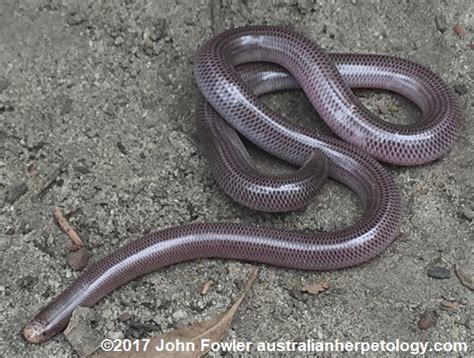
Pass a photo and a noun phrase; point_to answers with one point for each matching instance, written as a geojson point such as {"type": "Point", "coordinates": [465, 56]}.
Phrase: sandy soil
{"type": "Point", "coordinates": [107, 89]}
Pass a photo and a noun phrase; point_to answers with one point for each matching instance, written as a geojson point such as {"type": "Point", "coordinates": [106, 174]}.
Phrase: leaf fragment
{"type": "Point", "coordinates": [191, 335]}
{"type": "Point", "coordinates": [316, 288]}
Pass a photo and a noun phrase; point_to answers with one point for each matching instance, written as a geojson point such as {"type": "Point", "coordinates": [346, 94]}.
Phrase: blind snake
{"type": "Point", "coordinates": [231, 71]}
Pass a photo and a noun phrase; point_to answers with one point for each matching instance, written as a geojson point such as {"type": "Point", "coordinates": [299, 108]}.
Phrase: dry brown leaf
{"type": "Point", "coordinates": [213, 330]}
{"type": "Point", "coordinates": [315, 288]}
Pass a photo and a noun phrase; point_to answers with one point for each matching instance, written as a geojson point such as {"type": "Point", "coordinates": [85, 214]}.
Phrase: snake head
{"type": "Point", "coordinates": [37, 331]}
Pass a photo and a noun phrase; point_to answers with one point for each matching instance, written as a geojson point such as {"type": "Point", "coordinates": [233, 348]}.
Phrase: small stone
{"type": "Point", "coordinates": [115, 335]}
{"type": "Point", "coordinates": [78, 259]}
{"type": "Point", "coordinates": [439, 272]}
{"type": "Point", "coordinates": [460, 89]}
{"type": "Point", "coordinates": [74, 19]}
{"type": "Point", "coordinates": [10, 231]}
{"type": "Point", "coordinates": [119, 41]}
{"type": "Point", "coordinates": [3, 84]}
{"type": "Point", "coordinates": [468, 322]}
{"type": "Point", "coordinates": [198, 305]}
{"type": "Point", "coordinates": [148, 46]}
{"type": "Point", "coordinates": [466, 213]}
{"type": "Point", "coordinates": [441, 23]}
{"type": "Point", "coordinates": [79, 332]}
{"type": "Point", "coordinates": [179, 314]}
{"type": "Point", "coordinates": [81, 169]}
{"type": "Point", "coordinates": [124, 317]}
{"type": "Point", "coordinates": [108, 109]}
{"type": "Point", "coordinates": [427, 320]}
{"type": "Point", "coordinates": [383, 108]}
{"type": "Point", "coordinates": [15, 191]}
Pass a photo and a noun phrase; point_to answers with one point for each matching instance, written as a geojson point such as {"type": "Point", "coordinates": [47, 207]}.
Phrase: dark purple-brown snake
{"type": "Point", "coordinates": [232, 70]}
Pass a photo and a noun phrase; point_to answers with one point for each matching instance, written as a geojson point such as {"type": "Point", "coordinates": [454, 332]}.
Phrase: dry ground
{"type": "Point", "coordinates": [108, 88]}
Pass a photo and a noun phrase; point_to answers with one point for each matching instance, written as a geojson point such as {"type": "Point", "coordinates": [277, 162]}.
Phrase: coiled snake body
{"type": "Point", "coordinates": [326, 79]}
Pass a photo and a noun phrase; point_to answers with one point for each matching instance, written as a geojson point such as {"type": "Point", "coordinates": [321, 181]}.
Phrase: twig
{"type": "Point", "coordinates": [76, 240]}
{"type": "Point", "coordinates": [206, 287]}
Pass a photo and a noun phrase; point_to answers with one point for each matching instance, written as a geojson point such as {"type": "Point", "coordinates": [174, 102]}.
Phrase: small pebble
{"type": "Point", "coordinates": [468, 322]}
{"type": "Point", "coordinates": [74, 19]}
{"type": "Point", "coordinates": [108, 109]}
{"type": "Point", "coordinates": [439, 273]}
{"type": "Point", "coordinates": [16, 191]}
{"type": "Point", "coordinates": [124, 317]}
{"type": "Point", "coordinates": [81, 169]}
{"type": "Point", "coordinates": [115, 335]}
{"type": "Point", "coordinates": [427, 320]}
{"type": "Point", "coordinates": [466, 276]}
{"type": "Point", "coordinates": [179, 314]}
{"type": "Point", "coordinates": [78, 259]}
{"type": "Point", "coordinates": [383, 108]}
{"type": "Point", "coordinates": [119, 41]}
{"type": "Point", "coordinates": [79, 332]}
{"type": "Point", "coordinates": [441, 22]}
